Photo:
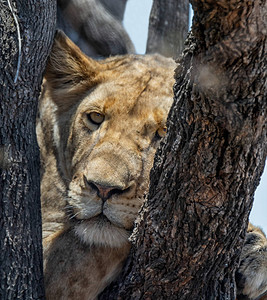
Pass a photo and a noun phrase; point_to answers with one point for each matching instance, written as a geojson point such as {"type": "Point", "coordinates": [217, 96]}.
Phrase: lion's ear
{"type": "Point", "coordinates": [69, 72]}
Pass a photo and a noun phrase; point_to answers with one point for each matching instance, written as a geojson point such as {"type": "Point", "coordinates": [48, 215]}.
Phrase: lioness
{"type": "Point", "coordinates": [99, 126]}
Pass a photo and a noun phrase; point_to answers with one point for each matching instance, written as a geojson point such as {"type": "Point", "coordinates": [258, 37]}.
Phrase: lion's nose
{"type": "Point", "coordinates": [104, 191]}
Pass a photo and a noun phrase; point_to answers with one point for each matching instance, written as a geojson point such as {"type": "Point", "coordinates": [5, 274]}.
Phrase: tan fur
{"type": "Point", "coordinates": [95, 175]}
{"type": "Point", "coordinates": [86, 237]}
{"type": "Point", "coordinates": [252, 273]}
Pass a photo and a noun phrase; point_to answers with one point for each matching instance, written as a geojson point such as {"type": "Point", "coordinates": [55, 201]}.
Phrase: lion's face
{"type": "Point", "coordinates": [110, 122]}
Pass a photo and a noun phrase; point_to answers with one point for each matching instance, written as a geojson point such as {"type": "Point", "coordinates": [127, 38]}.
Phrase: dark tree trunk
{"type": "Point", "coordinates": [168, 27]}
{"type": "Point", "coordinates": [20, 215]}
{"type": "Point", "coordinates": [189, 237]}
{"type": "Point", "coordinates": [95, 26]}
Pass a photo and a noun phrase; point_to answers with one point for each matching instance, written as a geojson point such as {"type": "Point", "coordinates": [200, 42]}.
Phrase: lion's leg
{"type": "Point", "coordinates": [74, 270]}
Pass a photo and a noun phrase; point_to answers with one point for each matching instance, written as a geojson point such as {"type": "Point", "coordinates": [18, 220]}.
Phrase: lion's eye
{"type": "Point", "coordinates": [161, 132]}
{"type": "Point", "coordinates": [95, 117]}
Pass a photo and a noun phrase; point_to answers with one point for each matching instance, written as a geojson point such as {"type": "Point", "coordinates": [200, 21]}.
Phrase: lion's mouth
{"type": "Point", "coordinates": [99, 230]}
{"type": "Point", "coordinates": [100, 219]}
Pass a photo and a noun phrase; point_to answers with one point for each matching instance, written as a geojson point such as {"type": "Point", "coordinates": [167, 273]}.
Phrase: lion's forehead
{"type": "Point", "coordinates": [130, 102]}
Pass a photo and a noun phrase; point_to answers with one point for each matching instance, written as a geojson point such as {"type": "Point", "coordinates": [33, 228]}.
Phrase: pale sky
{"type": "Point", "coordinates": [136, 23]}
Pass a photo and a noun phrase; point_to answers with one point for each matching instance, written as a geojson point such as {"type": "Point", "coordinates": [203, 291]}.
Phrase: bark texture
{"type": "Point", "coordinates": [95, 26]}
{"type": "Point", "coordinates": [188, 239]}
{"type": "Point", "coordinates": [20, 214]}
{"type": "Point", "coordinates": [168, 27]}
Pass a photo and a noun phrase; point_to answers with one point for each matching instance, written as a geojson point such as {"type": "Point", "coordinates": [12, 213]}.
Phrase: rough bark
{"type": "Point", "coordinates": [168, 27]}
{"type": "Point", "coordinates": [95, 26]}
{"type": "Point", "coordinates": [187, 242]}
{"type": "Point", "coordinates": [20, 214]}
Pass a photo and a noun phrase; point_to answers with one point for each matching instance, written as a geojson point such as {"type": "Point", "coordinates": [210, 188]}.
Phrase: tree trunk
{"type": "Point", "coordinates": [20, 83]}
{"type": "Point", "coordinates": [95, 26]}
{"type": "Point", "coordinates": [168, 27]}
{"type": "Point", "coordinates": [188, 239]}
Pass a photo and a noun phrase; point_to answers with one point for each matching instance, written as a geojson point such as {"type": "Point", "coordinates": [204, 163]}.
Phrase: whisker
{"type": "Point", "coordinates": [68, 207]}
{"type": "Point", "coordinates": [75, 215]}
{"type": "Point", "coordinates": [80, 194]}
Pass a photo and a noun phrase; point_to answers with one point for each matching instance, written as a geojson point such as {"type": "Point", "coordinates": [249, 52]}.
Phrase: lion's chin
{"type": "Point", "coordinates": [99, 231]}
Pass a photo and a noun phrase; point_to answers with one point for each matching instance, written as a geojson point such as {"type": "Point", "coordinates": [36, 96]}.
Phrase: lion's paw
{"type": "Point", "coordinates": [251, 276]}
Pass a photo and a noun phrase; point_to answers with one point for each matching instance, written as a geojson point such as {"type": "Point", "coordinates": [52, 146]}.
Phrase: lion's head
{"type": "Point", "coordinates": [108, 118]}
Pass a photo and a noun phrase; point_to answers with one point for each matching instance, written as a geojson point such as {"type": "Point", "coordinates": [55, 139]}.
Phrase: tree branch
{"type": "Point", "coordinates": [190, 233]}
{"type": "Point", "coordinates": [95, 27]}
{"type": "Point", "coordinates": [168, 27]}
{"type": "Point", "coordinates": [21, 258]}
